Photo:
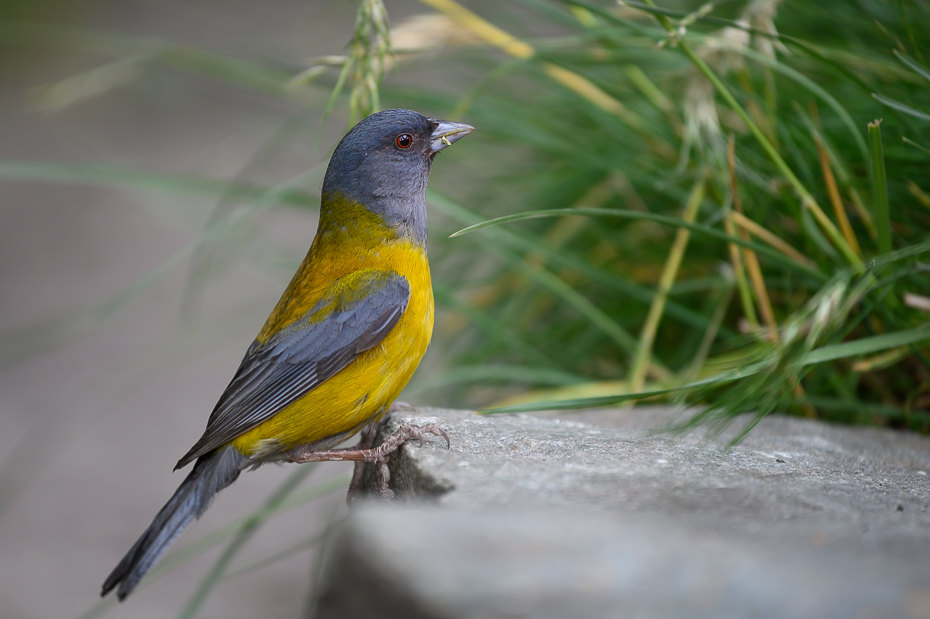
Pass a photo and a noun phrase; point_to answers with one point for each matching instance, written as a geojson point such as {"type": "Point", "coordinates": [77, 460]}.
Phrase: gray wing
{"type": "Point", "coordinates": [297, 359]}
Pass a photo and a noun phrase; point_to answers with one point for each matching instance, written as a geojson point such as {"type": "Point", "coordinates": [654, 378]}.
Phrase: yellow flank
{"type": "Point", "coordinates": [350, 239]}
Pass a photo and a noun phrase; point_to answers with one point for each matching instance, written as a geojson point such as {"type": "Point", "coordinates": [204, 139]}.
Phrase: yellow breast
{"type": "Point", "coordinates": [361, 390]}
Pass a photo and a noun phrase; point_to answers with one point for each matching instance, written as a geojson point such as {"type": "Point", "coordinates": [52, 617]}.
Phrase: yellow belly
{"type": "Point", "coordinates": [372, 381]}
{"type": "Point", "coordinates": [356, 394]}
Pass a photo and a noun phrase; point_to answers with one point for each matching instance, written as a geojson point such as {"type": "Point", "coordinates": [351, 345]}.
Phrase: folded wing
{"type": "Point", "coordinates": [357, 312]}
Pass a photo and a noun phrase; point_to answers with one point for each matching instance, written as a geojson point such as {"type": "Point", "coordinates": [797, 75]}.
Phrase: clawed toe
{"type": "Point", "coordinates": [378, 455]}
{"type": "Point", "coordinates": [407, 431]}
{"type": "Point", "coordinates": [392, 443]}
{"type": "Point", "coordinates": [440, 432]}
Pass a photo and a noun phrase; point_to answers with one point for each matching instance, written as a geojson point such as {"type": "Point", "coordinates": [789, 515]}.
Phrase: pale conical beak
{"type": "Point", "coordinates": [447, 132]}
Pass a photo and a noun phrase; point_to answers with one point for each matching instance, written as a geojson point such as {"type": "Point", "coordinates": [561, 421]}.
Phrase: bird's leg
{"type": "Point", "coordinates": [366, 441]}
{"type": "Point", "coordinates": [377, 455]}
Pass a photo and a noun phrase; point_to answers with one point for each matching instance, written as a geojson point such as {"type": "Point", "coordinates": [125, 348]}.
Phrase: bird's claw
{"type": "Point", "coordinates": [376, 455]}
{"type": "Point", "coordinates": [392, 443]}
{"type": "Point", "coordinates": [407, 431]}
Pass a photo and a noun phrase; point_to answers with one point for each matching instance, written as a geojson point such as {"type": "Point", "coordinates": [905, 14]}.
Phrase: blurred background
{"type": "Point", "coordinates": [731, 210]}
{"type": "Point", "coordinates": [108, 370]}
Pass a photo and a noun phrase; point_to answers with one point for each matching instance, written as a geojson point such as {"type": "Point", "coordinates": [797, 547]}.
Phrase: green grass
{"type": "Point", "coordinates": [606, 127]}
{"type": "Point", "coordinates": [806, 207]}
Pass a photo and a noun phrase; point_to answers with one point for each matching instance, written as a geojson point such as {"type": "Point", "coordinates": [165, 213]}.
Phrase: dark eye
{"type": "Point", "coordinates": [404, 140]}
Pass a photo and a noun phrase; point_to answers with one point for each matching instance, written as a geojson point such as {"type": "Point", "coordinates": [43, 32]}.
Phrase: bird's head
{"type": "Point", "coordinates": [383, 164]}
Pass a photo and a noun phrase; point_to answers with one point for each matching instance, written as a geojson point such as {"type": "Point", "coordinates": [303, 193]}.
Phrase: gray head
{"type": "Point", "coordinates": [383, 163]}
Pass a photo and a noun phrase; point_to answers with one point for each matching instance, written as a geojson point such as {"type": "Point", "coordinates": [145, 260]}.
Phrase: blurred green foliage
{"type": "Point", "coordinates": [758, 115]}
{"type": "Point", "coordinates": [726, 155]}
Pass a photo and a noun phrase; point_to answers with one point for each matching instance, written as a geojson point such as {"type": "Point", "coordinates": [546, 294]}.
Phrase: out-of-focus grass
{"type": "Point", "coordinates": [807, 214]}
{"type": "Point", "coordinates": [693, 201]}
{"type": "Point", "coordinates": [627, 111]}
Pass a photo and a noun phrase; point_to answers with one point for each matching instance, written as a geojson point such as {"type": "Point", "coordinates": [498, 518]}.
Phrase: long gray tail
{"type": "Point", "coordinates": [211, 474]}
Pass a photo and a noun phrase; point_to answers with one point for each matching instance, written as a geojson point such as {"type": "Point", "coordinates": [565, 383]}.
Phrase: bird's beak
{"type": "Point", "coordinates": [447, 132]}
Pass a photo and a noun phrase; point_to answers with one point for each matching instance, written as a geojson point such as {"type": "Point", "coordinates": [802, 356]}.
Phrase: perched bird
{"type": "Point", "coordinates": [343, 340]}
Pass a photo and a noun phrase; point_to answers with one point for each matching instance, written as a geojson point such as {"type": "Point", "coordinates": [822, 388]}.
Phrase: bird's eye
{"type": "Point", "coordinates": [404, 140]}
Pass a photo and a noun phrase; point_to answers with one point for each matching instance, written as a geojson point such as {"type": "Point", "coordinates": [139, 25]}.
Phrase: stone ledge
{"type": "Point", "coordinates": [580, 515]}
{"type": "Point", "coordinates": [435, 563]}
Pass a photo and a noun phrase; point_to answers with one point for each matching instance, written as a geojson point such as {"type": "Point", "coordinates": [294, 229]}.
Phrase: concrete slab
{"type": "Point", "coordinates": [527, 516]}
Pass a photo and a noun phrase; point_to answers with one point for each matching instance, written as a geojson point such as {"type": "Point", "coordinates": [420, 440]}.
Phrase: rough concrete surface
{"type": "Point", "coordinates": [592, 516]}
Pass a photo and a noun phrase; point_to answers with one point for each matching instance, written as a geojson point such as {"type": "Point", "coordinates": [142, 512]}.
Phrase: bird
{"type": "Point", "coordinates": [343, 340]}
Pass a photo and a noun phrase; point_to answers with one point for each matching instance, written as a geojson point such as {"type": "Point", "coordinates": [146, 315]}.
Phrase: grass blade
{"type": "Point", "coordinates": [824, 354]}
{"type": "Point", "coordinates": [221, 534]}
{"type": "Point", "coordinates": [247, 530]}
{"type": "Point", "coordinates": [901, 107]}
{"type": "Point", "coordinates": [669, 273]}
{"type": "Point", "coordinates": [663, 219]}
{"type": "Point", "coordinates": [880, 188]}
{"type": "Point", "coordinates": [867, 345]}
{"type": "Point", "coordinates": [93, 174]}
{"type": "Point", "coordinates": [912, 64]}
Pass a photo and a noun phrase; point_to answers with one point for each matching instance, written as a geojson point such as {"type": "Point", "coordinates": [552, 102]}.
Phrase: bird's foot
{"type": "Point", "coordinates": [377, 455]}
{"type": "Point", "coordinates": [392, 443]}
{"type": "Point", "coordinates": [367, 441]}
{"type": "Point", "coordinates": [407, 431]}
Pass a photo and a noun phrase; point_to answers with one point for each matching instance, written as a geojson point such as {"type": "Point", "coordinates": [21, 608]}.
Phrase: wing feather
{"type": "Point", "coordinates": [276, 373]}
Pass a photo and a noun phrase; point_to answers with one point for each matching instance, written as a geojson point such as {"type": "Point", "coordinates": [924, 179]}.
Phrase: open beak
{"type": "Point", "coordinates": [447, 132]}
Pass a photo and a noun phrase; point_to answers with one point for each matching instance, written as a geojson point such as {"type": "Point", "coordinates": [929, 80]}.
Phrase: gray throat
{"type": "Point", "coordinates": [406, 215]}
{"type": "Point", "coordinates": [404, 211]}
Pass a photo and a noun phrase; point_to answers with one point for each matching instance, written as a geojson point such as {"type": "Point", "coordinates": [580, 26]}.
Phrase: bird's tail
{"type": "Point", "coordinates": [211, 473]}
